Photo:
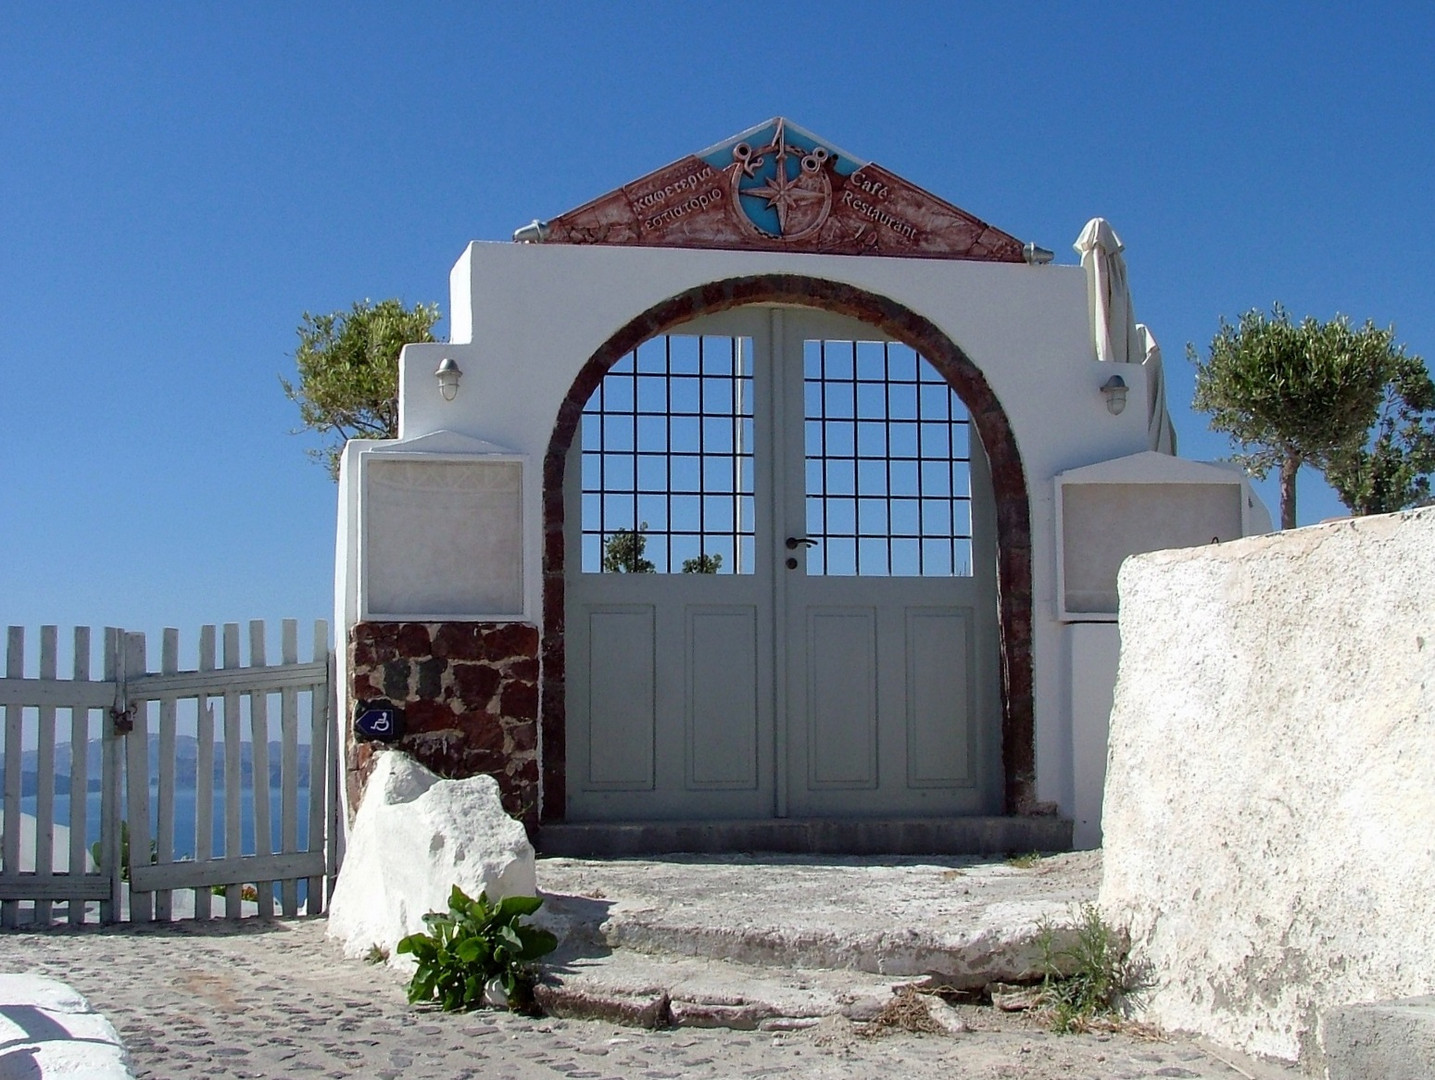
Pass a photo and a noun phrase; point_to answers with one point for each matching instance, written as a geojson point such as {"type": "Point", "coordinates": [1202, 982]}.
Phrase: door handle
{"type": "Point", "coordinates": [794, 542]}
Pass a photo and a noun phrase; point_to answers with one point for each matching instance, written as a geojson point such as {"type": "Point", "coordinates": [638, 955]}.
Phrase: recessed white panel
{"type": "Point", "coordinates": [443, 538]}
{"type": "Point", "coordinates": [1104, 523]}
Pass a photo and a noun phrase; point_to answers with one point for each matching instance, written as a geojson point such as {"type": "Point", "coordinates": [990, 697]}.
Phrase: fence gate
{"type": "Point", "coordinates": [168, 787]}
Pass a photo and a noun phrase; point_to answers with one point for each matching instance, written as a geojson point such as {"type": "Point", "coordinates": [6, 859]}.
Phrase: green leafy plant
{"type": "Point", "coordinates": [475, 943]}
{"type": "Point", "coordinates": [125, 851]}
{"type": "Point", "coordinates": [1087, 981]}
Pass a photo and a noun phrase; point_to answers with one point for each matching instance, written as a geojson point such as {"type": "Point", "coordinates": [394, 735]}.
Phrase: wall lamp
{"type": "Point", "coordinates": [1115, 390]}
{"type": "Point", "coordinates": [535, 232]}
{"type": "Point", "coordinates": [448, 374]}
{"type": "Point", "coordinates": [1036, 256]}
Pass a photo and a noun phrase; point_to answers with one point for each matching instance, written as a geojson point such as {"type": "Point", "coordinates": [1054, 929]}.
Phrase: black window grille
{"type": "Point", "coordinates": [667, 484]}
{"type": "Point", "coordinates": [888, 463]}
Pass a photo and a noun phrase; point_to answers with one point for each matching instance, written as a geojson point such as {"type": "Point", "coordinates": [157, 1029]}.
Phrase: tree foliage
{"type": "Point", "coordinates": [1292, 394]}
{"type": "Point", "coordinates": [623, 552]}
{"type": "Point", "coordinates": [348, 364]}
{"type": "Point", "coordinates": [1391, 470]}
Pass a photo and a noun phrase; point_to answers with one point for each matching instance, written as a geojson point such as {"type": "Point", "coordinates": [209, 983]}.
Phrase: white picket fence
{"type": "Point", "coordinates": [131, 718]}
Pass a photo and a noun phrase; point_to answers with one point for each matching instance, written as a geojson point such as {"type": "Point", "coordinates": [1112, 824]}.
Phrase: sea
{"type": "Point", "coordinates": [185, 803]}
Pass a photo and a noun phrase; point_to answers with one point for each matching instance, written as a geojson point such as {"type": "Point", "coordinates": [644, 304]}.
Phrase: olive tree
{"type": "Point", "coordinates": [348, 364]}
{"type": "Point", "coordinates": [1391, 469]}
{"type": "Point", "coordinates": [1292, 394]}
{"type": "Point", "coordinates": [623, 552]}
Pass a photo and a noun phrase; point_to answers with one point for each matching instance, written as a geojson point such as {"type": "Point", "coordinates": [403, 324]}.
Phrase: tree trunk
{"type": "Point", "coordinates": [1289, 464]}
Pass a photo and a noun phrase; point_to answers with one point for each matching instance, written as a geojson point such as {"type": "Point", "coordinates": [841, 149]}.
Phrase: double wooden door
{"type": "Point", "coordinates": [781, 581]}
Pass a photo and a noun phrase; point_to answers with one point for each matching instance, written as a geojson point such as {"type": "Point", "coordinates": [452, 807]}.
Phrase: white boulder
{"type": "Point", "coordinates": [1271, 783]}
{"type": "Point", "coordinates": [414, 838]}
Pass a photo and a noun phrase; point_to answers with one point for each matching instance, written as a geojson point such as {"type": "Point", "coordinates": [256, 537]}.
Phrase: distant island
{"type": "Point", "coordinates": [186, 765]}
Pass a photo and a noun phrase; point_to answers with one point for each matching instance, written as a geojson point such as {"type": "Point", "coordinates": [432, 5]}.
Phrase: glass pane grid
{"type": "Point", "coordinates": [667, 460]}
{"type": "Point", "coordinates": [888, 460]}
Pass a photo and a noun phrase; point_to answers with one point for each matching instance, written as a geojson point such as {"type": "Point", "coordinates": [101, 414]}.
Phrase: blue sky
{"type": "Point", "coordinates": [179, 182]}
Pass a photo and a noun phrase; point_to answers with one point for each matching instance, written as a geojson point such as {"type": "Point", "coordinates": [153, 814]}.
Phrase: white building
{"type": "Point", "coordinates": [886, 441]}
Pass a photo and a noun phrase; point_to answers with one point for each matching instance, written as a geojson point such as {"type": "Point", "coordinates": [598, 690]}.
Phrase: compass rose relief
{"type": "Point", "coordinates": [781, 190]}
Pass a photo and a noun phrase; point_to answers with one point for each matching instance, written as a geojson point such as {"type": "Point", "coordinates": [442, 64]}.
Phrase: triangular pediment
{"type": "Point", "coordinates": [777, 187]}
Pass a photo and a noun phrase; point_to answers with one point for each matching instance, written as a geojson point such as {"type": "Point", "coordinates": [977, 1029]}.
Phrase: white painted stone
{"type": "Point", "coordinates": [415, 837]}
{"type": "Point", "coordinates": [1269, 816]}
{"type": "Point", "coordinates": [49, 1030]}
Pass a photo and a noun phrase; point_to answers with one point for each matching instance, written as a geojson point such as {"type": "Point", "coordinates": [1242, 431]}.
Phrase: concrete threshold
{"type": "Point", "coordinates": [745, 941]}
{"type": "Point", "coordinates": [810, 836]}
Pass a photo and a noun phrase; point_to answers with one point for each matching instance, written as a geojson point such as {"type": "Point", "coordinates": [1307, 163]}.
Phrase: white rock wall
{"type": "Point", "coordinates": [1269, 814]}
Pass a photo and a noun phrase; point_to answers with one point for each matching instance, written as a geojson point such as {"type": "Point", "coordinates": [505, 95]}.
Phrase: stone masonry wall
{"type": "Point", "coordinates": [1269, 817]}
{"type": "Point", "coordinates": [469, 692]}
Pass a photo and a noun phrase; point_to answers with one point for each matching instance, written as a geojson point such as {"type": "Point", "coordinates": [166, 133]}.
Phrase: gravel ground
{"type": "Point", "coordinates": [275, 999]}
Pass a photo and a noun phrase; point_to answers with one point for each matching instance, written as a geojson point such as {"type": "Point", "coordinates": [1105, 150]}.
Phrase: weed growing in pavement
{"type": "Point", "coordinates": [1088, 981]}
{"type": "Point", "coordinates": [477, 951]}
{"type": "Point", "coordinates": [1024, 861]}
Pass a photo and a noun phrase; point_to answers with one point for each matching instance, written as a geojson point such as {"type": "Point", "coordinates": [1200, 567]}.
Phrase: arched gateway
{"type": "Point", "coordinates": [767, 501]}
{"type": "Point", "coordinates": [850, 660]}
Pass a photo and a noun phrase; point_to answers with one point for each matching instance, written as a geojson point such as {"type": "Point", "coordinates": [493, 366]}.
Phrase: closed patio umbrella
{"type": "Point", "coordinates": [1113, 324]}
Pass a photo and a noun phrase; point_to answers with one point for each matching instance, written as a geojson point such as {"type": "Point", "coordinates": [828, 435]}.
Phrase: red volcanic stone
{"type": "Point", "coordinates": [428, 716]}
{"type": "Point", "coordinates": [525, 670]}
{"type": "Point", "coordinates": [553, 543]}
{"type": "Point", "coordinates": [482, 731]}
{"type": "Point", "coordinates": [375, 643]}
{"type": "Point", "coordinates": [525, 737]}
{"type": "Point", "coordinates": [362, 652]}
{"type": "Point", "coordinates": [482, 759]}
{"type": "Point", "coordinates": [510, 640]}
{"type": "Point", "coordinates": [475, 684]}
{"type": "Point", "coordinates": [362, 685]}
{"type": "Point", "coordinates": [520, 700]}
{"type": "Point", "coordinates": [414, 641]}
{"type": "Point", "coordinates": [458, 641]}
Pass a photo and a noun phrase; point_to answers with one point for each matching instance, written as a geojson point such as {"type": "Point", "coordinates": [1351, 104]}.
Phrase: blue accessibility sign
{"type": "Point", "coordinates": [380, 722]}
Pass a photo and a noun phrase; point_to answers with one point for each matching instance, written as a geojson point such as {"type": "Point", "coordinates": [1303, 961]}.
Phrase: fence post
{"type": "Point", "coordinates": [137, 777]}
{"type": "Point", "coordinates": [14, 730]}
{"type": "Point", "coordinates": [111, 910]}
{"type": "Point", "coordinates": [80, 771]}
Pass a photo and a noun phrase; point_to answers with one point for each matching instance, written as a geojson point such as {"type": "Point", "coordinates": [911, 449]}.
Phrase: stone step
{"type": "Point", "coordinates": [1382, 1040]}
{"type": "Point", "coordinates": [810, 836]}
{"type": "Point", "coordinates": [965, 922]}
{"type": "Point", "coordinates": [640, 990]}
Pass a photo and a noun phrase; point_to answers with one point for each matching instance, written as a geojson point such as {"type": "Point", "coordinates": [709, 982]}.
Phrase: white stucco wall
{"type": "Point", "coordinates": [525, 318]}
{"type": "Point", "coordinates": [1271, 783]}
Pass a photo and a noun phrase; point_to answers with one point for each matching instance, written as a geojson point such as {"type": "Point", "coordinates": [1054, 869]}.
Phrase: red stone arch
{"type": "Point", "coordinates": [1013, 511]}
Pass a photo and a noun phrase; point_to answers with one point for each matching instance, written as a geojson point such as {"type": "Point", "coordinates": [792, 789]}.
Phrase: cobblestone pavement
{"type": "Point", "coordinates": [275, 999]}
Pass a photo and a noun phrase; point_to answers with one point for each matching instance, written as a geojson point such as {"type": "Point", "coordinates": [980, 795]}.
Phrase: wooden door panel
{"type": "Point", "coordinates": [939, 697]}
{"type": "Point", "coordinates": [621, 705]}
{"type": "Point", "coordinates": [841, 698]}
{"type": "Point", "coordinates": [722, 697]}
